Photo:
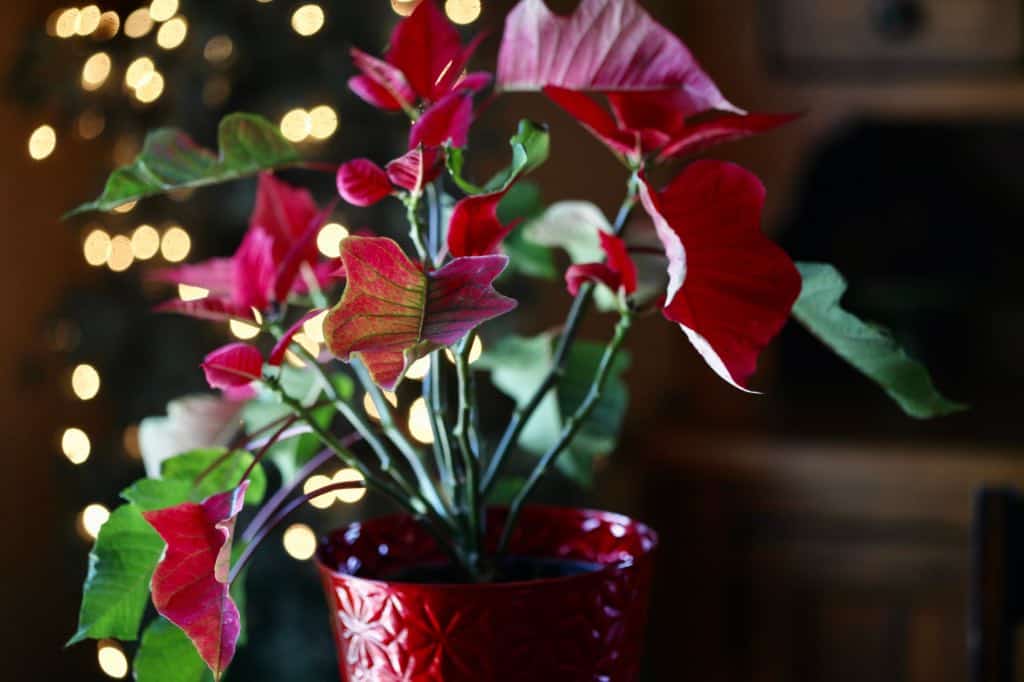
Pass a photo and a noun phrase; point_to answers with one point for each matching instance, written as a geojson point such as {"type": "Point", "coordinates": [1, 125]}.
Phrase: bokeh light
{"type": "Point", "coordinates": [96, 247]}
{"type": "Point", "coordinates": [323, 122]}
{"type": "Point", "coordinates": [66, 24]}
{"type": "Point", "coordinates": [90, 124]}
{"type": "Point", "coordinates": [145, 242]}
{"type": "Point", "coordinates": [328, 240]}
{"type": "Point", "coordinates": [188, 292]}
{"type": "Point", "coordinates": [463, 11]}
{"type": "Point", "coordinates": [243, 330]}
{"type": "Point", "coordinates": [92, 518]}
{"type": "Point", "coordinates": [151, 87]}
{"type": "Point", "coordinates": [350, 495]}
{"type": "Point", "coordinates": [308, 20]}
{"type": "Point", "coordinates": [110, 24]}
{"type": "Point", "coordinates": [296, 125]}
{"type": "Point", "coordinates": [162, 10]}
{"type": "Point", "coordinates": [138, 24]}
{"type": "Point", "coordinates": [85, 382]}
{"type": "Point", "coordinates": [138, 70]}
{"type": "Point", "coordinates": [404, 8]}
{"type": "Point", "coordinates": [42, 142]}
{"type": "Point", "coordinates": [475, 351]}
{"type": "Point", "coordinates": [218, 49]}
{"type": "Point", "coordinates": [88, 20]}
{"type": "Point", "coordinates": [175, 244]}
{"type": "Point", "coordinates": [121, 255]}
{"type": "Point", "coordinates": [126, 207]}
{"type": "Point", "coordinates": [314, 327]}
{"type": "Point", "coordinates": [95, 71]}
{"type": "Point", "coordinates": [418, 369]}
{"type": "Point", "coordinates": [314, 483]}
{"type": "Point", "coordinates": [75, 445]}
{"type": "Point", "coordinates": [111, 659]}
{"type": "Point", "coordinates": [172, 34]}
{"type": "Point", "coordinates": [300, 542]}
{"type": "Point", "coordinates": [371, 407]}
{"type": "Point", "coordinates": [419, 422]}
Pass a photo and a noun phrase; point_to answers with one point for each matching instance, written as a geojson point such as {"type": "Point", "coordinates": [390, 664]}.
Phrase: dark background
{"type": "Point", "coordinates": [813, 533]}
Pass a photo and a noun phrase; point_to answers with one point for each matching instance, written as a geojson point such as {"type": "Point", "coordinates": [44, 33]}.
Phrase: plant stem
{"type": "Point", "coordinates": [572, 324]}
{"type": "Point", "coordinates": [258, 457]}
{"type": "Point", "coordinates": [414, 228]}
{"type": "Point", "coordinates": [570, 429]}
{"type": "Point", "coordinates": [286, 489]}
{"type": "Point", "coordinates": [470, 459]}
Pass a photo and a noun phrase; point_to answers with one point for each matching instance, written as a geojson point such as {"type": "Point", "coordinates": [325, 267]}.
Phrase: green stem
{"type": "Point", "coordinates": [569, 430]}
{"type": "Point", "coordinates": [433, 394]}
{"type": "Point", "coordinates": [579, 308]}
{"type": "Point", "coordinates": [470, 459]}
{"type": "Point", "coordinates": [415, 235]}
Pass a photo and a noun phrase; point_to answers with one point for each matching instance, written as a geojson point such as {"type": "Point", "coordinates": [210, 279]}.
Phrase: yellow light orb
{"type": "Point", "coordinates": [85, 382]}
{"type": "Point", "coordinates": [350, 495]}
{"type": "Point", "coordinates": [300, 542]}
{"type": "Point", "coordinates": [308, 20]}
{"type": "Point", "coordinates": [138, 24]}
{"type": "Point", "coordinates": [328, 240]}
{"type": "Point", "coordinates": [138, 70]}
{"type": "Point", "coordinates": [75, 445]}
{"type": "Point", "coordinates": [310, 346]}
{"type": "Point", "coordinates": [419, 422]}
{"type": "Point", "coordinates": [463, 11]}
{"type": "Point", "coordinates": [370, 407]}
{"type": "Point", "coordinates": [126, 208]}
{"type": "Point", "coordinates": [145, 242]}
{"type": "Point", "coordinates": [108, 27]}
{"type": "Point", "coordinates": [175, 245]}
{"type": "Point", "coordinates": [243, 330]}
{"type": "Point", "coordinates": [475, 351]}
{"type": "Point", "coordinates": [172, 34]}
{"type": "Point", "coordinates": [92, 518]}
{"type": "Point", "coordinates": [418, 369]}
{"type": "Point", "coordinates": [404, 8]}
{"type": "Point", "coordinates": [95, 71]}
{"type": "Point", "coordinates": [90, 124]}
{"type": "Point", "coordinates": [112, 660]}
{"type": "Point", "coordinates": [96, 248]}
{"type": "Point", "coordinates": [121, 255]}
{"type": "Point", "coordinates": [88, 20]}
{"type": "Point", "coordinates": [151, 88]}
{"type": "Point", "coordinates": [42, 142]}
{"type": "Point", "coordinates": [314, 483]}
{"type": "Point", "coordinates": [323, 122]}
{"type": "Point", "coordinates": [162, 10]}
{"type": "Point", "coordinates": [296, 125]}
{"type": "Point", "coordinates": [66, 24]}
{"type": "Point", "coordinates": [314, 327]}
{"type": "Point", "coordinates": [218, 49]}
{"type": "Point", "coordinates": [187, 292]}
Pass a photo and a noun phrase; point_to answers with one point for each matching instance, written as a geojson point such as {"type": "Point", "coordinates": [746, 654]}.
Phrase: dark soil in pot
{"type": "Point", "coordinates": [510, 570]}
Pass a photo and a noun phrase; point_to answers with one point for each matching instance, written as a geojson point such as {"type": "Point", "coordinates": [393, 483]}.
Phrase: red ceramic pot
{"type": "Point", "coordinates": [585, 627]}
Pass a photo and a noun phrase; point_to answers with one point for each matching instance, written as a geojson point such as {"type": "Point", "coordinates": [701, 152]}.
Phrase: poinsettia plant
{"type": "Point", "coordinates": [701, 260]}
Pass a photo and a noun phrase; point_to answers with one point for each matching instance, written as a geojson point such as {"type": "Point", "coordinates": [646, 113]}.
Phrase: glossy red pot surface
{"type": "Point", "coordinates": [585, 627]}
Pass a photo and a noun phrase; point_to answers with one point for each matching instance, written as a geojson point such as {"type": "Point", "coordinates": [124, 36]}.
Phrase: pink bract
{"type": "Point", "coordinates": [190, 586]}
{"type": "Point", "coordinates": [475, 229]}
{"type": "Point", "coordinates": [233, 366]}
{"type": "Point", "coordinates": [619, 272]}
{"type": "Point", "coordinates": [730, 288]}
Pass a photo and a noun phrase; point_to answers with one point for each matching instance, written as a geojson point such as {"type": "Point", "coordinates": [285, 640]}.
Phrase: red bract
{"type": "Point", "coordinates": [280, 242]}
{"type": "Point", "coordinates": [190, 585]}
{"type": "Point", "coordinates": [361, 182]}
{"type": "Point", "coordinates": [654, 85]}
{"type": "Point", "coordinates": [426, 61]}
{"type": "Point", "coordinates": [446, 122]}
{"type": "Point", "coordinates": [233, 366]}
{"type": "Point", "coordinates": [475, 229]}
{"type": "Point", "coordinates": [281, 347]}
{"type": "Point", "coordinates": [393, 312]}
{"type": "Point", "coordinates": [619, 272]}
{"type": "Point", "coordinates": [730, 288]}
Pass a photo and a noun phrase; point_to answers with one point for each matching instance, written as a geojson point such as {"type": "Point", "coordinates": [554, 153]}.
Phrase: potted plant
{"type": "Point", "coordinates": [454, 586]}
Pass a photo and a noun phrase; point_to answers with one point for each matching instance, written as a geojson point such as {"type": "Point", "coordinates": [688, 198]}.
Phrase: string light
{"type": "Point", "coordinates": [162, 10]}
{"type": "Point", "coordinates": [138, 24]}
{"type": "Point", "coordinates": [323, 122]}
{"type": "Point", "coordinates": [350, 495]}
{"type": "Point", "coordinates": [150, 89]}
{"type": "Point", "coordinates": [218, 49]}
{"type": "Point", "coordinates": [308, 20]}
{"type": "Point", "coordinates": [96, 247]}
{"type": "Point", "coordinates": [328, 240]}
{"type": "Point", "coordinates": [404, 8]}
{"type": "Point", "coordinates": [419, 422]}
{"type": "Point", "coordinates": [95, 71]}
{"type": "Point", "coordinates": [314, 483]}
{"type": "Point", "coordinates": [297, 125]}
{"type": "Point", "coordinates": [85, 382]}
{"type": "Point", "coordinates": [90, 124]}
{"type": "Point", "coordinates": [92, 518]}
{"type": "Point", "coordinates": [314, 327]}
{"type": "Point", "coordinates": [172, 34]}
{"type": "Point", "coordinates": [187, 292]}
{"type": "Point", "coordinates": [111, 659]}
{"type": "Point", "coordinates": [42, 142]}
{"type": "Point", "coordinates": [300, 542]}
{"type": "Point", "coordinates": [75, 445]}
{"type": "Point", "coordinates": [175, 245]}
{"type": "Point", "coordinates": [145, 242]}
{"type": "Point", "coordinates": [121, 255]}
{"type": "Point", "coordinates": [418, 369]}
{"type": "Point", "coordinates": [66, 24]}
{"type": "Point", "coordinates": [88, 20]}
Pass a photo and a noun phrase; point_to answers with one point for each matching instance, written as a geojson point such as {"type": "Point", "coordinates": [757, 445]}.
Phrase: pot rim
{"type": "Point", "coordinates": [650, 546]}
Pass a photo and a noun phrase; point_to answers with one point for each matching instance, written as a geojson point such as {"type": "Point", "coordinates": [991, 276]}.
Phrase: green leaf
{"type": "Point", "coordinates": [171, 160]}
{"type": "Point", "coordinates": [518, 366]}
{"type": "Point", "coordinates": [870, 348]}
{"type": "Point", "coordinates": [531, 146]}
{"type": "Point", "coordinates": [227, 475]}
{"type": "Point", "coordinates": [523, 201]}
{"type": "Point", "coordinates": [167, 655]}
{"type": "Point", "coordinates": [150, 494]}
{"type": "Point", "coordinates": [116, 588]}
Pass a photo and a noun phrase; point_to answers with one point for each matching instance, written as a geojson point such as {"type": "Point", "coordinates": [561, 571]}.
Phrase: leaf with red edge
{"type": "Point", "coordinates": [190, 586]}
{"type": "Point", "coordinates": [598, 273]}
{"type": "Point", "coordinates": [699, 137]}
{"type": "Point", "coordinates": [594, 118]}
{"type": "Point", "coordinates": [216, 275]}
{"type": "Point", "coordinates": [392, 312]}
{"type": "Point", "coordinates": [618, 272]}
{"type": "Point", "coordinates": [361, 182]}
{"type": "Point", "coordinates": [730, 289]}
{"type": "Point", "coordinates": [475, 229]}
{"type": "Point", "coordinates": [282, 209]}
{"type": "Point", "coordinates": [446, 122]}
{"type": "Point", "coordinates": [416, 168]}
{"type": "Point", "coordinates": [381, 84]}
{"type": "Point", "coordinates": [427, 49]}
{"type": "Point", "coordinates": [603, 45]}
{"type": "Point", "coordinates": [288, 269]}
{"type": "Point", "coordinates": [233, 366]}
{"type": "Point", "coordinates": [281, 347]}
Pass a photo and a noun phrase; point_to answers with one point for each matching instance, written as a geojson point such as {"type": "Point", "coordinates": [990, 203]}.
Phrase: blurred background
{"type": "Point", "coordinates": [812, 533]}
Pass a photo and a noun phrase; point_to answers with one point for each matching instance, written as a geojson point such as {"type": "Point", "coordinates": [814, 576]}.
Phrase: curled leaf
{"type": "Point", "coordinates": [233, 366]}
